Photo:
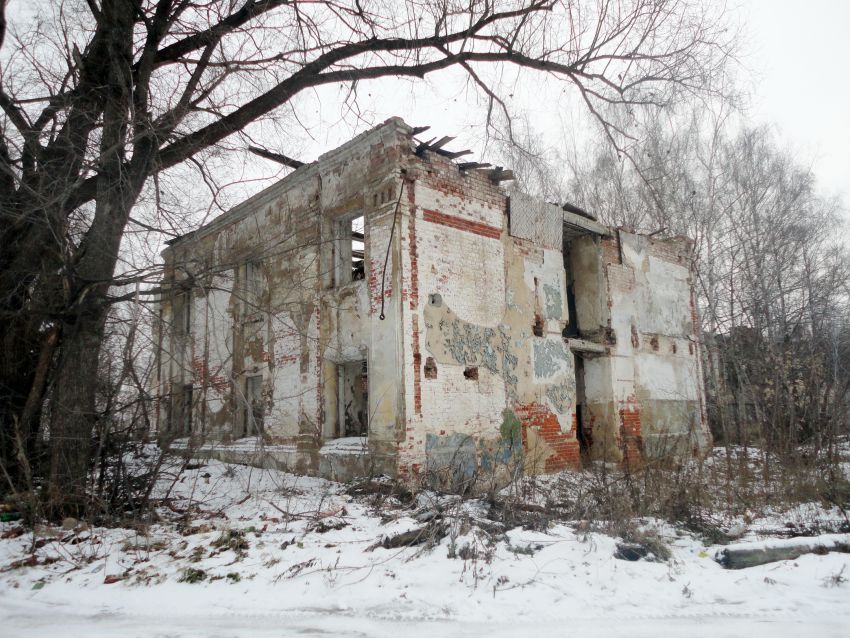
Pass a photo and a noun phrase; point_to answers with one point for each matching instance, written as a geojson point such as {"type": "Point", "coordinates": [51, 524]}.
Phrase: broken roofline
{"type": "Point", "coordinates": [299, 175]}
{"type": "Point", "coordinates": [545, 271]}
{"type": "Point", "coordinates": [574, 219]}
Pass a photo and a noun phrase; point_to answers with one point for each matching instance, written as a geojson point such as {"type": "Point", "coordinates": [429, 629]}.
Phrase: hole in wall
{"type": "Point", "coordinates": [430, 368]}
{"type": "Point", "coordinates": [471, 373]}
{"type": "Point", "coordinates": [537, 326]}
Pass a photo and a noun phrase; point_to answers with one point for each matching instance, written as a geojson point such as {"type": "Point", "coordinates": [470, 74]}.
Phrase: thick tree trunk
{"type": "Point", "coordinates": [73, 406]}
{"type": "Point", "coordinates": [73, 414]}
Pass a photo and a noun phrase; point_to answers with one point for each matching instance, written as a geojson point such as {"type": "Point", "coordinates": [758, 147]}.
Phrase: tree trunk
{"type": "Point", "coordinates": [73, 406]}
{"type": "Point", "coordinates": [73, 414]}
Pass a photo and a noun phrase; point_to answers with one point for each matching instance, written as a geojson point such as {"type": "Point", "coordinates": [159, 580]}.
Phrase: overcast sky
{"type": "Point", "coordinates": [799, 53]}
{"type": "Point", "coordinates": [795, 60]}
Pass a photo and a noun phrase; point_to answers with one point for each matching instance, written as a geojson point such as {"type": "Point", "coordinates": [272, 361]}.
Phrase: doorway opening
{"type": "Point", "coordinates": [571, 329]}
{"type": "Point", "coordinates": [353, 400]}
{"type": "Point", "coordinates": [582, 431]}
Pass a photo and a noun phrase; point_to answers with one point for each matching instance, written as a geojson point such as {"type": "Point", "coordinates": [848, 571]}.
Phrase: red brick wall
{"type": "Point", "coordinates": [544, 422]}
{"type": "Point", "coordinates": [611, 249]}
{"type": "Point", "coordinates": [630, 433]}
{"type": "Point", "coordinates": [462, 224]}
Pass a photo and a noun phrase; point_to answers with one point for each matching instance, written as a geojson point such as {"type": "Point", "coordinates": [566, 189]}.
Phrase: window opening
{"type": "Point", "coordinates": [358, 270]}
{"type": "Point", "coordinates": [350, 250]}
{"type": "Point", "coordinates": [537, 326]}
{"type": "Point", "coordinates": [571, 329]}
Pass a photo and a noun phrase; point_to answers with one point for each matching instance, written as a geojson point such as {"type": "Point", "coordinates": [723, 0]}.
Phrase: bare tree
{"type": "Point", "coordinates": [100, 98]}
{"type": "Point", "coordinates": [770, 257]}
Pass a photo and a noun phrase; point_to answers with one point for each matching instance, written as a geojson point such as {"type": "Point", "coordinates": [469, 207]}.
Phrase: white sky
{"type": "Point", "coordinates": [800, 59]}
{"type": "Point", "coordinates": [795, 58]}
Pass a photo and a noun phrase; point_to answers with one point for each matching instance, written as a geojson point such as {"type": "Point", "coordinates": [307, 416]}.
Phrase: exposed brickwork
{"type": "Point", "coordinates": [564, 445]}
{"type": "Point", "coordinates": [462, 224]}
{"type": "Point", "coordinates": [621, 278]}
{"type": "Point", "coordinates": [630, 441]}
{"type": "Point", "coordinates": [694, 316]}
{"type": "Point", "coordinates": [317, 372]}
{"type": "Point", "coordinates": [413, 294]}
{"type": "Point", "coordinates": [376, 269]}
{"type": "Point", "coordinates": [445, 257]}
{"type": "Point", "coordinates": [675, 251]}
{"type": "Point", "coordinates": [409, 472]}
{"type": "Point", "coordinates": [204, 379]}
{"type": "Point", "coordinates": [444, 175]}
{"type": "Point", "coordinates": [417, 368]}
{"type": "Point", "coordinates": [414, 252]}
{"type": "Point", "coordinates": [611, 249]}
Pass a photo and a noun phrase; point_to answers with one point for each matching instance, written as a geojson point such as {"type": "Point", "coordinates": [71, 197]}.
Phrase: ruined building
{"type": "Point", "coordinates": [390, 309]}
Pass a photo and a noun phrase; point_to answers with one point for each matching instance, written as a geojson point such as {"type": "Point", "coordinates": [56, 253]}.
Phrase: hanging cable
{"type": "Point", "coordinates": [389, 246]}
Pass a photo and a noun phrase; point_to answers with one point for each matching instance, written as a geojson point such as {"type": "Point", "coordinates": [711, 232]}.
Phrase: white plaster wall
{"type": "Point", "coordinates": [386, 373]}
{"type": "Point", "coordinates": [652, 295]}
{"type": "Point", "coordinates": [661, 295]}
{"type": "Point", "coordinates": [309, 397]}
{"type": "Point", "coordinates": [285, 376]}
{"type": "Point", "coordinates": [550, 278]}
{"type": "Point", "coordinates": [468, 270]}
{"type": "Point", "coordinates": [668, 378]}
{"type": "Point", "coordinates": [598, 380]}
{"type": "Point", "coordinates": [218, 333]}
{"type": "Point", "coordinates": [350, 340]}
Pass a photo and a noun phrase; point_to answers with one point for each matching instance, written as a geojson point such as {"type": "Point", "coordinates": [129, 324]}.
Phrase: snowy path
{"type": "Point", "coordinates": [49, 621]}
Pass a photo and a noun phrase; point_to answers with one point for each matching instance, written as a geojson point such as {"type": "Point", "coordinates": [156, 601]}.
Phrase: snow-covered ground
{"type": "Point", "coordinates": [255, 553]}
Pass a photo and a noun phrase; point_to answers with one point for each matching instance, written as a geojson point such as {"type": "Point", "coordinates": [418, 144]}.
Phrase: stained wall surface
{"type": "Point", "coordinates": [267, 298]}
{"type": "Point", "coordinates": [645, 398]}
{"type": "Point", "coordinates": [458, 319]}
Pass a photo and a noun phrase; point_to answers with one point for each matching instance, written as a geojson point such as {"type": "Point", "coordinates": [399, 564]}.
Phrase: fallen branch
{"type": "Point", "coordinates": [743, 555]}
{"type": "Point", "coordinates": [432, 532]}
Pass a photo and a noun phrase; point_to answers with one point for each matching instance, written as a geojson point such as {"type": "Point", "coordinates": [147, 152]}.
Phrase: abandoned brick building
{"type": "Point", "coordinates": [390, 309]}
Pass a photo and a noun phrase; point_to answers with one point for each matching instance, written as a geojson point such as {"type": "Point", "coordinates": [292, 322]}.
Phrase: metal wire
{"type": "Point", "coordinates": [389, 246]}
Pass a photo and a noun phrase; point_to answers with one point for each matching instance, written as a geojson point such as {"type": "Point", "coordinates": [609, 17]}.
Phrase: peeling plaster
{"type": "Point", "coordinates": [454, 341]}
{"type": "Point", "coordinates": [554, 302]}
{"type": "Point", "coordinates": [503, 316]}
